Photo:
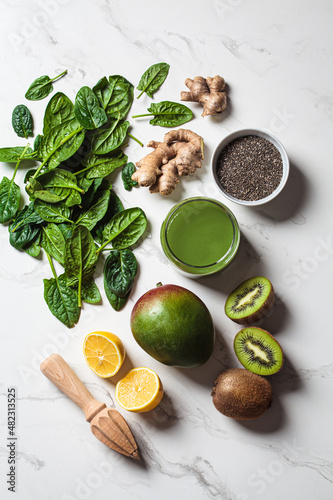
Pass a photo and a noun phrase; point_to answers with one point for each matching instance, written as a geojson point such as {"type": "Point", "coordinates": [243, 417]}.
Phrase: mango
{"type": "Point", "coordinates": [174, 326]}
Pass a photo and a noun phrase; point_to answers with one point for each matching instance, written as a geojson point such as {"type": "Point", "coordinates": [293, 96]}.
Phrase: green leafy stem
{"type": "Point", "coordinates": [52, 266]}
{"type": "Point", "coordinates": [58, 76]}
{"type": "Point", "coordinates": [135, 139]}
{"type": "Point", "coordinates": [21, 157]}
{"type": "Point", "coordinates": [102, 247]}
{"type": "Point", "coordinates": [61, 143]}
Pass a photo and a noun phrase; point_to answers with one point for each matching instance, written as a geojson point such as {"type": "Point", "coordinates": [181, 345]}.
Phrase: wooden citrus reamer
{"type": "Point", "coordinates": [107, 424]}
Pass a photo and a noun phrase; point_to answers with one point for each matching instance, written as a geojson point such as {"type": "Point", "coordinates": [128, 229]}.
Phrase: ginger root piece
{"type": "Point", "coordinates": [208, 92]}
{"type": "Point", "coordinates": [167, 181]}
{"type": "Point", "coordinates": [150, 164]}
{"type": "Point", "coordinates": [181, 153]}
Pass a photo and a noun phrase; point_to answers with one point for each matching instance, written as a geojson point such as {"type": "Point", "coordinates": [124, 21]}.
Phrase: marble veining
{"type": "Point", "coordinates": [199, 469]}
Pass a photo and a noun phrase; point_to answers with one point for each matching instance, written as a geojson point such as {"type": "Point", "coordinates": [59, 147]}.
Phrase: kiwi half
{"type": "Point", "coordinates": [258, 351]}
{"type": "Point", "coordinates": [250, 301]}
{"type": "Point", "coordinates": [242, 395]}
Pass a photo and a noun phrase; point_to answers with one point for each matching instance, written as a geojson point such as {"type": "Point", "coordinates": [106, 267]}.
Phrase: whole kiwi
{"type": "Point", "coordinates": [242, 395]}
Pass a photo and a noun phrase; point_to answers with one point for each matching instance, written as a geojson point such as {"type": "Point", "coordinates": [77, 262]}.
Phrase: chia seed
{"type": "Point", "coordinates": [249, 168]}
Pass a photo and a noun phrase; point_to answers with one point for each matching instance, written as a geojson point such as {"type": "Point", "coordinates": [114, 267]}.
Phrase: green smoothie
{"type": "Point", "coordinates": [200, 236]}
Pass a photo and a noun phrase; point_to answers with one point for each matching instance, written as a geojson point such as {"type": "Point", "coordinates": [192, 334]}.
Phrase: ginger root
{"type": "Point", "coordinates": [181, 153]}
{"type": "Point", "coordinates": [208, 92]}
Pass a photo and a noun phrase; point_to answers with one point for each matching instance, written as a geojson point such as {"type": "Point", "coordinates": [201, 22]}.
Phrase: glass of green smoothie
{"type": "Point", "coordinates": [200, 236]}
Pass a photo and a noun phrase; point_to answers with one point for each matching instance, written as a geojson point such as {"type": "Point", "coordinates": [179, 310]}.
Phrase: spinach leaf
{"type": "Point", "coordinates": [12, 155]}
{"type": "Point", "coordinates": [115, 301]}
{"type": "Point", "coordinates": [52, 212]}
{"type": "Point", "coordinates": [85, 184]}
{"type": "Point", "coordinates": [102, 165]}
{"type": "Point", "coordinates": [41, 87]}
{"type": "Point", "coordinates": [121, 97]}
{"type": "Point", "coordinates": [153, 78]}
{"type": "Point", "coordinates": [96, 212]}
{"type": "Point", "coordinates": [103, 91]}
{"type": "Point", "coordinates": [114, 207]}
{"type": "Point", "coordinates": [119, 271]}
{"type": "Point", "coordinates": [9, 199]}
{"type": "Point", "coordinates": [80, 258]}
{"type": "Point", "coordinates": [59, 178]}
{"type": "Point", "coordinates": [92, 186]}
{"type": "Point", "coordinates": [36, 192]}
{"type": "Point", "coordinates": [96, 185]}
{"type": "Point", "coordinates": [87, 109]}
{"type": "Point", "coordinates": [37, 141]}
{"type": "Point", "coordinates": [124, 229]}
{"type": "Point", "coordinates": [22, 121]}
{"type": "Point", "coordinates": [53, 242]}
{"type": "Point", "coordinates": [10, 193]}
{"type": "Point", "coordinates": [90, 292]}
{"type": "Point", "coordinates": [59, 110]}
{"type": "Point", "coordinates": [26, 216]}
{"type": "Point", "coordinates": [33, 248]}
{"type": "Point", "coordinates": [53, 186]}
{"type": "Point", "coordinates": [60, 143]}
{"type": "Point", "coordinates": [62, 301]}
{"type": "Point", "coordinates": [168, 114]}
{"type": "Point", "coordinates": [108, 139]}
{"type": "Point", "coordinates": [29, 174]}
{"type": "Point", "coordinates": [73, 199]}
{"type": "Point", "coordinates": [25, 227]}
{"type": "Point", "coordinates": [105, 185]}
{"type": "Point", "coordinates": [66, 229]}
{"type": "Point", "coordinates": [22, 235]}
{"type": "Point", "coordinates": [126, 175]}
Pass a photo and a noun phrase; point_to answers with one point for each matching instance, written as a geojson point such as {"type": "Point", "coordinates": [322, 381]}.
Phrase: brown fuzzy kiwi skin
{"type": "Point", "coordinates": [257, 315]}
{"type": "Point", "coordinates": [242, 395]}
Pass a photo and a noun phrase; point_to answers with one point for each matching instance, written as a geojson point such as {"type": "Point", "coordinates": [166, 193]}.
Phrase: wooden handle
{"type": "Point", "coordinates": [62, 376]}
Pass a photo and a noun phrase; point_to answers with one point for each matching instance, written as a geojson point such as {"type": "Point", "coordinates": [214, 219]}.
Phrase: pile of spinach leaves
{"type": "Point", "coordinates": [73, 214]}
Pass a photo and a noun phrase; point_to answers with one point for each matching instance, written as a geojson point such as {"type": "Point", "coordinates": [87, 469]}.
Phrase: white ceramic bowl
{"type": "Point", "coordinates": [259, 133]}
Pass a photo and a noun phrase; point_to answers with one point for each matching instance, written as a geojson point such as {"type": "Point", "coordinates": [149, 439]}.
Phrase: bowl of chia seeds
{"type": "Point", "coordinates": [250, 167]}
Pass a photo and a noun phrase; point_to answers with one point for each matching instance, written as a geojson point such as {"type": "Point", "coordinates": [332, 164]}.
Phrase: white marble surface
{"type": "Point", "coordinates": [277, 60]}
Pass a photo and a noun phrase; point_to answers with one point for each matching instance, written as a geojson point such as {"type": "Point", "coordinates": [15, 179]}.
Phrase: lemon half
{"type": "Point", "coordinates": [140, 390]}
{"type": "Point", "coordinates": [104, 353]}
